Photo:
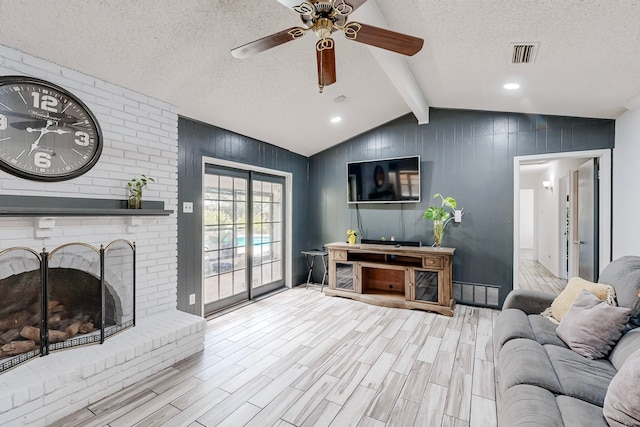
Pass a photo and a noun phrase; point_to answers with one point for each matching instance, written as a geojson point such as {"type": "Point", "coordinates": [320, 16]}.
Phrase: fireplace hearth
{"type": "Point", "coordinates": [74, 295]}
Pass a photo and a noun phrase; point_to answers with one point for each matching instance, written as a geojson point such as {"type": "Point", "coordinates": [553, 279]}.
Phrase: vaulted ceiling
{"type": "Point", "coordinates": [587, 61]}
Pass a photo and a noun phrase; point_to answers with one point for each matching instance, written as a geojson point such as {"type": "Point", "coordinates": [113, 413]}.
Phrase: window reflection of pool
{"type": "Point", "coordinates": [261, 250]}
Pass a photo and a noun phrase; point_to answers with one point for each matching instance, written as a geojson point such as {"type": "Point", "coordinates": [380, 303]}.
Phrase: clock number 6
{"type": "Point", "coordinates": [42, 160]}
{"type": "Point", "coordinates": [82, 138]}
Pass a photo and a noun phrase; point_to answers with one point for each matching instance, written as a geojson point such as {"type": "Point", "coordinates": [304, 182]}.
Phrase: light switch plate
{"type": "Point", "coordinates": [192, 299]}
{"type": "Point", "coordinates": [187, 207]}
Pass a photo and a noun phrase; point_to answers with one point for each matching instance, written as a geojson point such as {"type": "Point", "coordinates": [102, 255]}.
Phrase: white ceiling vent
{"type": "Point", "coordinates": [524, 53]}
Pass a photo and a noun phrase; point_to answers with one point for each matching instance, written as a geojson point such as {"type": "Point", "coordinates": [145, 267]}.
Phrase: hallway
{"type": "Point", "coordinates": [534, 276]}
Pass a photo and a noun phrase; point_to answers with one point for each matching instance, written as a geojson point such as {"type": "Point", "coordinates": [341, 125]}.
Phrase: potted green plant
{"type": "Point", "coordinates": [135, 190]}
{"type": "Point", "coordinates": [440, 216]}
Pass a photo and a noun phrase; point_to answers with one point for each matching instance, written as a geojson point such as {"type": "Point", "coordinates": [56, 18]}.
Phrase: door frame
{"type": "Point", "coordinates": [604, 203]}
{"type": "Point", "coordinates": [288, 273]}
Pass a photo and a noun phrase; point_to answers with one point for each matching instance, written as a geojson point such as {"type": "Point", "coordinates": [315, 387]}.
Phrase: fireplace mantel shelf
{"type": "Point", "coordinates": [33, 206]}
{"type": "Point", "coordinates": [56, 212]}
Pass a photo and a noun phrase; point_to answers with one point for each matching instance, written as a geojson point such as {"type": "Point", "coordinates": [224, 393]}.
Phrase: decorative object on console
{"type": "Point", "coordinates": [440, 216]}
{"type": "Point", "coordinates": [135, 190]}
{"type": "Point", "coordinates": [352, 235]}
{"type": "Point", "coordinates": [47, 133]}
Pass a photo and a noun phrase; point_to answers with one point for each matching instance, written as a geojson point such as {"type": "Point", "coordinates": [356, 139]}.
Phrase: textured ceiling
{"type": "Point", "coordinates": [587, 64]}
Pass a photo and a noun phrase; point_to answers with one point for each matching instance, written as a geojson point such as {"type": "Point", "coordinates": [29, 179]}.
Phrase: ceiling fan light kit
{"type": "Point", "coordinates": [324, 18]}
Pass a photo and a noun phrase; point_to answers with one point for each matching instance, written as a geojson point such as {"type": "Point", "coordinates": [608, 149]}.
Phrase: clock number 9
{"type": "Point", "coordinates": [3, 122]}
{"type": "Point", "coordinates": [45, 102]}
{"type": "Point", "coordinates": [82, 138]}
{"type": "Point", "coordinates": [42, 160]}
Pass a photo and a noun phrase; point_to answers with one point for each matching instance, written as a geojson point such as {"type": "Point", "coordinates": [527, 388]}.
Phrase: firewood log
{"type": "Point", "coordinates": [17, 347]}
{"type": "Point", "coordinates": [58, 308]}
{"type": "Point", "coordinates": [57, 336]}
{"type": "Point", "coordinates": [30, 333]}
{"type": "Point", "coordinates": [73, 328]}
{"type": "Point", "coordinates": [86, 328]}
{"type": "Point", "coordinates": [10, 335]}
{"type": "Point", "coordinates": [55, 321]}
{"type": "Point", "coordinates": [15, 320]}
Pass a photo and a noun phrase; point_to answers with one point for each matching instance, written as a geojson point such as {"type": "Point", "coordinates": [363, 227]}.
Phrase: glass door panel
{"type": "Point", "coordinates": [225, 228]}
{"type": "Point", "coordinates": [268, 233]}
{"type": "Point", "coordinates": [426, 285]}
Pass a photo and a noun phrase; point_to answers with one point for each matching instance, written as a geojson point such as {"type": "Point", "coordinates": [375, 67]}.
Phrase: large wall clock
{"type": "Point", "coordinates": [46, 133]}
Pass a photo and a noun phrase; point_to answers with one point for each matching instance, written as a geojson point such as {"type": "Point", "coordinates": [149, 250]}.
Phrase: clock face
{"type": "Point", "coordinates": [46, 133]}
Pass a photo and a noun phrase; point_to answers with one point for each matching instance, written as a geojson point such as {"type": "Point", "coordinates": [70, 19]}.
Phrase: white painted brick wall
{"type": "Point", "coordinates": [140, 136]}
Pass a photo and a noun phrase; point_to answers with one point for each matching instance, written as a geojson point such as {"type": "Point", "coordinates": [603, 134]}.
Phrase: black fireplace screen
{"type": "Point", "coordinates": [74, 295]}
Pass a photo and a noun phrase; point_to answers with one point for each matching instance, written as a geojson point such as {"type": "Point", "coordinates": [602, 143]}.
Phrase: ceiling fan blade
{"type": "Point", "coordinates": [326, 56]}
{"type": "Point", "coordinates": [383, 38]}
{"type": "Point", "coordinates": [268, 42]}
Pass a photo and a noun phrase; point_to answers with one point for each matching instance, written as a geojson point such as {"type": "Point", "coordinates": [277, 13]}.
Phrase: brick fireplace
{"type": "Point", "coordinates": [140, 136]}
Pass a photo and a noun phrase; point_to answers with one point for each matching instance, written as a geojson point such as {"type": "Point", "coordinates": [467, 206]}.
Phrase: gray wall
{"type": "Point", "coordinates": [467, 155]}
{"type": "Point", "coordinates": [195, 140]}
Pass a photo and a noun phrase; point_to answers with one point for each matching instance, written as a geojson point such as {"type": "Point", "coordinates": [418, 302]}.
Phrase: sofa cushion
{"type": "Point", "coordinates": [592, 327]}
{"type": "Point", "coordinates": [629, 343]}
{"type": "Point", "coordinates": [564, 301]}
{"type": "Point", "coordinates": [529, 406]}
{"type": "Point", "coordinates": [578, 413]}
{"type": "Point", "coordinates": [524, 361]}
{"type": "Point", "coordinates": [622, 402]}
{"type": "Point", "coordinates": [510, 324]}
{"type": "Point", "coordinates": [580, 377]}
{"type": "Point", "coordinates": [624, 275]}
{"type": "Point", "coordinates": [545, 330]}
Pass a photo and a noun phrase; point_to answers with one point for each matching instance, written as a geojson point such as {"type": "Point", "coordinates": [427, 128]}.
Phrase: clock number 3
{"type": "Point", "coordinates": [42, 160]}
{"type": "Point", "coordinates": [3, 122]}
{"type": "Point", "coordinates": [45, 102]}
{"type": "Point", "coordinates": [82, 138]}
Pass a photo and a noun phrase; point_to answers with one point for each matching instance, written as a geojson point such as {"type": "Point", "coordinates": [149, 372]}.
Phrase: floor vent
{"type": "Point", "coordinates": [524, 53]}
{"type": "Point", "coordinates": [476, 294]}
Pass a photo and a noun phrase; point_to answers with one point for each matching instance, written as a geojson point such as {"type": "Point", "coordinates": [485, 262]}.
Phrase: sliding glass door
{"type": "Point", "coordinates": [243, 236]}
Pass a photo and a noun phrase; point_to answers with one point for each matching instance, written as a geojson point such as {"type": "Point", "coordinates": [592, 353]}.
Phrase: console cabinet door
{"type": "Point", "coordinates": [344, 274]}
{"type": "Point", "coordinates": [426, 285]}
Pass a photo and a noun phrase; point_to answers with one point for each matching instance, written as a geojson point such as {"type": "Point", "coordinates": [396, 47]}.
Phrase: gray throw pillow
{"type": "Point", "coordinates": [622, 401]}
{"type": "Point", "coordinates": [592, 327]}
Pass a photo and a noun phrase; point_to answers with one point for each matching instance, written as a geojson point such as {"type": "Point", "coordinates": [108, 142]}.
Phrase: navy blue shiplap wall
{"type": "Point", "coordinates": [197, 140]}
{"type": "Point", "coordinates": [467, 155]}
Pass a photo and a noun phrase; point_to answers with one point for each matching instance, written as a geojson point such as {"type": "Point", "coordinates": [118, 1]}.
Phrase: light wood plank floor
{"type": "Point", "coordinates": [535, 276]}
{"type": "Point", "coordinates": [300, 358]}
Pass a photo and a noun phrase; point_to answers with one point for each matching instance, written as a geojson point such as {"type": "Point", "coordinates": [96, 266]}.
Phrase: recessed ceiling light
{"type": "Point", "coordinates": [336, 119]}
{"type": "Point", "coordinates": [512, 86]}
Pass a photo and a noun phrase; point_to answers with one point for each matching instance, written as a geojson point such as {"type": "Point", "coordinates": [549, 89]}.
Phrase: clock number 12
{"type": "Point", "coordinates": [45, 102]}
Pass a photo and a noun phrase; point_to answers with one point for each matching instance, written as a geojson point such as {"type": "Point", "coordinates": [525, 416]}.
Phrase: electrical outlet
{"type": "Point", "coordinates": [192, 299]}
{"type": "Point", "coordinates": [187, 207]}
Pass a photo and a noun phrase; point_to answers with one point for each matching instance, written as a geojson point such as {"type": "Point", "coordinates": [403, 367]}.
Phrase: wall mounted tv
{"type": "Point", "coordinates": [394, 180]}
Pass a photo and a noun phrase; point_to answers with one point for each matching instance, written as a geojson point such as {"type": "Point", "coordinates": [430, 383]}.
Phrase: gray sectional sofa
{"type": "Point", "coordinates": [541, 381]}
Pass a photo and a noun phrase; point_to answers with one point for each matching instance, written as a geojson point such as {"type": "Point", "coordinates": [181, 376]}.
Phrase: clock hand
{"type": "Point", "coordinates": [42, 131]}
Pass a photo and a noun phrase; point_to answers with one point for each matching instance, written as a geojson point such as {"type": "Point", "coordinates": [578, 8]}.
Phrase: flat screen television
{"type": "Point", "coordinates": [394, 180]}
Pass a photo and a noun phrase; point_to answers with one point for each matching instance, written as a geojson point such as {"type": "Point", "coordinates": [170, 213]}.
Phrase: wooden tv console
{"type": "Point", "coordinates": [390, 276]}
